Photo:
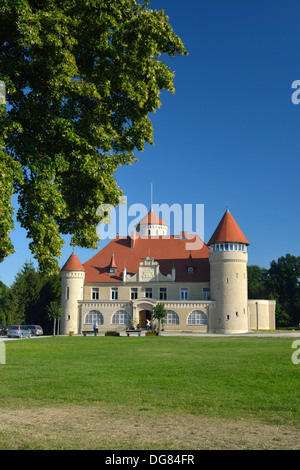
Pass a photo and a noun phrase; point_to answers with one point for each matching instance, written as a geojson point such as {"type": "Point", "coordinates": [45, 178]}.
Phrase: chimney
{"type": "Point", "coordinates": [133, 238]}
{"type": "Point", "coordinates": [124, 273]}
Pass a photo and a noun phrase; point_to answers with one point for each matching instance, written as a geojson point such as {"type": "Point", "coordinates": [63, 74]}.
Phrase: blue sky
{"type": "Point", "coordinates": [230, 134]}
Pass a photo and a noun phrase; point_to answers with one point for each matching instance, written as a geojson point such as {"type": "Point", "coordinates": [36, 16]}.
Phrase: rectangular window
{"type": "Point", "coordinates": [184, 293]}
{"type": "Point", "coordinates": [206, 293]}
{"type": "Point", "coordinates": [148, 292]}
{"type": "Point", "coordinates": [114, 293]}
{"type": "Point", "coordinates": [134, 293]}
{"type": "Point", "coordinates": [163, 293]}
{"type": "Point", "coordinates": [81, 293]}
{"type": "Point", "coordinates": [95, 293]}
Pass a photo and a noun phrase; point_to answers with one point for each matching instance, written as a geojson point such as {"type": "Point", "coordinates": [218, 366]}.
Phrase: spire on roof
{"type": "Point", "coordinates": [151, 197]}
{"type": "Point", "coordinates": [228, 231]}
{"type": "Point", "coordinates": [191, 264]}
{"type": "Point", "coordinates": [113, 263]}
{"type": "Point", "coordinates": [191, 261]}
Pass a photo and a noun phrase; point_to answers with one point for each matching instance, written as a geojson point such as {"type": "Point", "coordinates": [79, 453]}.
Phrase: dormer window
{"type": "Point", "coordinates": [190, 266]}
{"type": "Point", "coordinates": [113, 265]}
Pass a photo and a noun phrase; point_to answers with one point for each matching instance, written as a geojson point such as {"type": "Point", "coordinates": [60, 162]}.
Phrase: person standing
{"type": "Point", "coordinates": [95, 326]}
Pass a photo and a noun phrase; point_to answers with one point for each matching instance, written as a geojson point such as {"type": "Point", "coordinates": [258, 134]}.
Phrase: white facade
{"type": "Point", "coordinates": [218, 304]}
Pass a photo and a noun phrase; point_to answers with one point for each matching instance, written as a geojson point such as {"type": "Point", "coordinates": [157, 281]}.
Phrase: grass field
{"type": "Point", "coordinates": [150, 393]}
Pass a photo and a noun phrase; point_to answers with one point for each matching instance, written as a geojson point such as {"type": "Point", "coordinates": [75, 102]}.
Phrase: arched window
{"type": "Point", "coordinates": [94, 316]}
{"type": "Point", "coordinates": [172, 318]}
{"type": "Point", "coordinates": [121, 317]}
{"type": "Point", "coordinates": [197, 317]}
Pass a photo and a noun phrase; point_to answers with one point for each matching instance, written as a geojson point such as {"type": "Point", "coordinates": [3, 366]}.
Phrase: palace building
{"type": "Point", "coordinates": [203, 286]}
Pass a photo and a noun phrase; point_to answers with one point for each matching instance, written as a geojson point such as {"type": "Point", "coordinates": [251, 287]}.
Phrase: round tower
{"type": "Point", "coordinates": [228, 278]}
{"type": "Point", "coordinates": [72, 284]}
{"type": "Point", "coordinates": [151, 226]}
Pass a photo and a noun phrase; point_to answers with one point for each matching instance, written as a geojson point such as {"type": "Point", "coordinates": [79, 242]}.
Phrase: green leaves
{"type": "Point", "coordinates": [82, 78]}
{"type": "Point", "coordinates": [280, 282]}
{"type": "Point", "coordinates": [10, 172]}
{"type": "Point", "coordinates": [159, 312]}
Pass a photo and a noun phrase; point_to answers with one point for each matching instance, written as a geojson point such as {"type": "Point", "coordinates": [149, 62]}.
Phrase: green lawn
{"type": "Point", "coordinates": [230, 378]}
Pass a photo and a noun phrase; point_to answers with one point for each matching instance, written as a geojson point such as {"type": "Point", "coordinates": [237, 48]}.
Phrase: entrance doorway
{"type": "Point", "coordinates": [143, 317]}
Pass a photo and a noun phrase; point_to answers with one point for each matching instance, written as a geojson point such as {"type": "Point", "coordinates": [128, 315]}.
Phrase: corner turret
{"type": "Point", "coordinates": [228, 277]}
{"type": "Point", "coordinates": [72, 284]}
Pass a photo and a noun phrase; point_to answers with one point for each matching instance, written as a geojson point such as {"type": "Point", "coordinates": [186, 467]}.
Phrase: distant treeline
{"type": "Point", "coordinates": [280, 282]}
{"type": "Point", "coordinates": [26, 301]}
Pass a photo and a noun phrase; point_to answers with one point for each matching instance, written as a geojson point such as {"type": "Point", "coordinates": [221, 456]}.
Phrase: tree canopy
{"type": "Point", "coordinates": [28, 298]}
{"type": "Point", "coordinates": [159, 312]}
{"type": "Point", "coordinates": [257, 282]}
{"type": "Point", "coordinates": [280, 282]}
{"type": "Point", "coordinates": [82, 78]}
{"type": "Point", "coordinates": [283, 283]}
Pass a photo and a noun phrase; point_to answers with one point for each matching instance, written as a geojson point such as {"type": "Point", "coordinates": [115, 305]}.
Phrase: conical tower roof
{"type": "Point", "coordinates": [228, 231]}
{"type": "Point", "coordinates": [152, 218]}
{"type": "Point", "coordinates": [73, 264]}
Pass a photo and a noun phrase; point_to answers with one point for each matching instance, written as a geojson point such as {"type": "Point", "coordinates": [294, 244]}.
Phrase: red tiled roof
{"type": "Point", "coordinates": [228, 231]}
{"type": "Point", "coordinates": [73, 264]}
{"type": "Point", "coordinates": [168, 251]}
{"type": "Point", "coordinates": [152, 218]}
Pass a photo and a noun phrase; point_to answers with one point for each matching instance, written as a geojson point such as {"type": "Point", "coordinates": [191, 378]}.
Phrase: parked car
{"type": "Point", "coordinates": [3, 330]}
{"type": "Point", "coordinates": [19, 331]}
{"type": "Point", "coordinates": [36, 330]}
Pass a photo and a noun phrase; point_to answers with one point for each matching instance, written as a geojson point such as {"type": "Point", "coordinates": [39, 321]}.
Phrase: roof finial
{"type": "Point", "coordinates": [227, 207]}
{"type": "Point", "coordinates": [151, 199]}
